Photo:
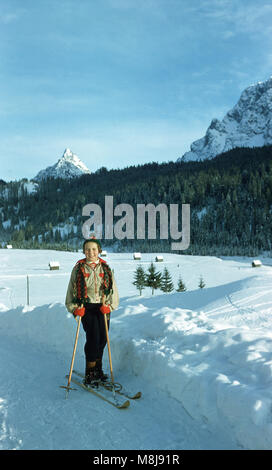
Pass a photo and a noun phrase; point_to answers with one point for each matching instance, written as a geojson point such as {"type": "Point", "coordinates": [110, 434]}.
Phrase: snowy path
{"type": "Point", "coordinates": [36, 415]}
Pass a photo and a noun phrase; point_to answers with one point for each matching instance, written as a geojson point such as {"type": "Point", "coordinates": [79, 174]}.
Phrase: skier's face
{"type": "Point", "coordinates": [91, 251]}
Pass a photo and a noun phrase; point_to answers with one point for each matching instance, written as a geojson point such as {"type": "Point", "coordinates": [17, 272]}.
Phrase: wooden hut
{"type": "Point", "coordinates": [256, 263]}
{"type": "Point", "coordinates": [54, 265]}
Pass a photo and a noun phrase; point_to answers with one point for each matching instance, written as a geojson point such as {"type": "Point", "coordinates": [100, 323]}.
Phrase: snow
{"type": "Point", "coordinates": [202, 358]}
{"type": "Point", "coordinates": [29, 186]}
{"type": "Point", "coordinates": [247, 124]}
{"type": "Point", "coordinates": [68, 166]}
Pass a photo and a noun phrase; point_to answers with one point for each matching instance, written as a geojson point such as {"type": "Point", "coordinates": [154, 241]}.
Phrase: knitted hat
{"type": "Point", "coordinates": [94, 240]}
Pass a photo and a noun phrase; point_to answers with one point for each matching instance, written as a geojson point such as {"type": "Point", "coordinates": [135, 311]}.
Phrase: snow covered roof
{"type": "Point", "coordinates": [54, 265]}
{"type": "Point", "coordinates": [256, 263]}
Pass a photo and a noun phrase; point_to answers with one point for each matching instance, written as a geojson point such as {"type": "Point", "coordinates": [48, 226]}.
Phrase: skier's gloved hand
{"type": "Point", "coordinates": [105, 309]}
{"type": "Point", "coordinates": [79, 311]}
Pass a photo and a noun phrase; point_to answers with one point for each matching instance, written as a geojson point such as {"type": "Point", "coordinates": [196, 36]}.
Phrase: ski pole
{"type": "Point", "coordinates": [108, 340]}
{"type": "Point", "coordinates": [109, 349]}
{"type": "Point", "coordinates": [68, 388]}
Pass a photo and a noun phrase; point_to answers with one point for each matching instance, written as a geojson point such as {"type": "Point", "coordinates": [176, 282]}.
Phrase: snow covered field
{"type": "Point", "coordinates": [202, 358]}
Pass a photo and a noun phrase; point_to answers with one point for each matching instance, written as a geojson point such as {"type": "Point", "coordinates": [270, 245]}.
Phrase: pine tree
{"type": "Point", "coordinates": [201, 283]}
{"type": "Point", "coordinates": [166, 281]}
{"type": "Point", "coordinates": [153, 278]}
{"type": "Point", "coordinates": [181, 286]}
{"type": "Point", "coordinates": [140, 279]}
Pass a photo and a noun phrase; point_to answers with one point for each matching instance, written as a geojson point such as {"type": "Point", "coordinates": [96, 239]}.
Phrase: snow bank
{"type": "Point", "coordinates": [48, 327]}
{"type": "Point", "coordinates": [220, 374]}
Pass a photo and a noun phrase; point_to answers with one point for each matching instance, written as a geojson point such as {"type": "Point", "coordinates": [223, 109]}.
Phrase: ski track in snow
{"type": "Point", "coordinates": [202, 359]}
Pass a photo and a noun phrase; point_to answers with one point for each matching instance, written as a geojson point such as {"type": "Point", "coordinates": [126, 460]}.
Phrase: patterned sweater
{"type": "Point", "coordinates": [94, 282]}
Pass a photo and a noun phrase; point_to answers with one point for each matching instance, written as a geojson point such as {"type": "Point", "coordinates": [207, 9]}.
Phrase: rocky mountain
{"type": "Point", "coordinates": [68, 166]}
{"type": "Point", "coordinates": [248, 124]}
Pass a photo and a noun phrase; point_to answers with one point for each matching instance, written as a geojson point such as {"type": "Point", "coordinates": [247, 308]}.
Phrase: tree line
{"type": "Point", "coordinates": [157, 280]}
{"type": "Point", "coordinates": [230, 197]}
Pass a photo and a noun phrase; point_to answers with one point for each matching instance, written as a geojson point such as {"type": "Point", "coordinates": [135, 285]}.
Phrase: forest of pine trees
{"type": "Point", "coordinates": [230, 197]}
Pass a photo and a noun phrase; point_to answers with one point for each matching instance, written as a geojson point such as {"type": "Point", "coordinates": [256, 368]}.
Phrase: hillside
{"type": "Point", "coordinates": [230, 197]}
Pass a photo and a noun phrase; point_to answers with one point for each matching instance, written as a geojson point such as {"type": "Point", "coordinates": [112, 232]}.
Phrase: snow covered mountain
{"type": "Point", "coordinates": [248, 124]}
{"type": "Point", "coordinates": [68, 166]}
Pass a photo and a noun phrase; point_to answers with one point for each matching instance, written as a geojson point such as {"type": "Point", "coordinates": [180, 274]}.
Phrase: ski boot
{"type": "Point", "coordinates": [91, 376]}
{"type": "Point", "coordinates": [99, 371]}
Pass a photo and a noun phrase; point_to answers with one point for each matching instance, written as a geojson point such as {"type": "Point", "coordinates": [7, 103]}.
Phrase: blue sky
{"type": "Point", "coordinates": [122, 82]}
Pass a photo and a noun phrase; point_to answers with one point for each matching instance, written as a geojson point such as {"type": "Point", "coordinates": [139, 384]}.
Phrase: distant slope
{"type": "Point", "coordinates": [247, 124]}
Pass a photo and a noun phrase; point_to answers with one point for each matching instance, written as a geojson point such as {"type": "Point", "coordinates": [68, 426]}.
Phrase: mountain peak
{"type": "Point", "coordinates": [247, 124]}
{"type": "Point", "coordinates": [67, 154]}
{"type": "Point", "coordinates": [68, 166]}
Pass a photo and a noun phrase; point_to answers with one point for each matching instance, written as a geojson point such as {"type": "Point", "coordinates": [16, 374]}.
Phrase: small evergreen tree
{"type": "Point", "coordinates": [181, 286]}
{"type": "Point", "coordinates": [153, 278]}
{"type": "Point", "coordinates": [201, 283]}
{"type": "Point", "coordinates": [140, 279]}
{"type": "Point", "coordinates": [166, 281]}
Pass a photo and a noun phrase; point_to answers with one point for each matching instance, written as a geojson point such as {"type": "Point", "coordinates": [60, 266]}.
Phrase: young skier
{"type": "Point", "coordinates": [91, 294]}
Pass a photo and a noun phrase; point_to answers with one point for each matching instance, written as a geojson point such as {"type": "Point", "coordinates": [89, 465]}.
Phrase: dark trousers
{"type": "Point", "coordinates": [94, 326]}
